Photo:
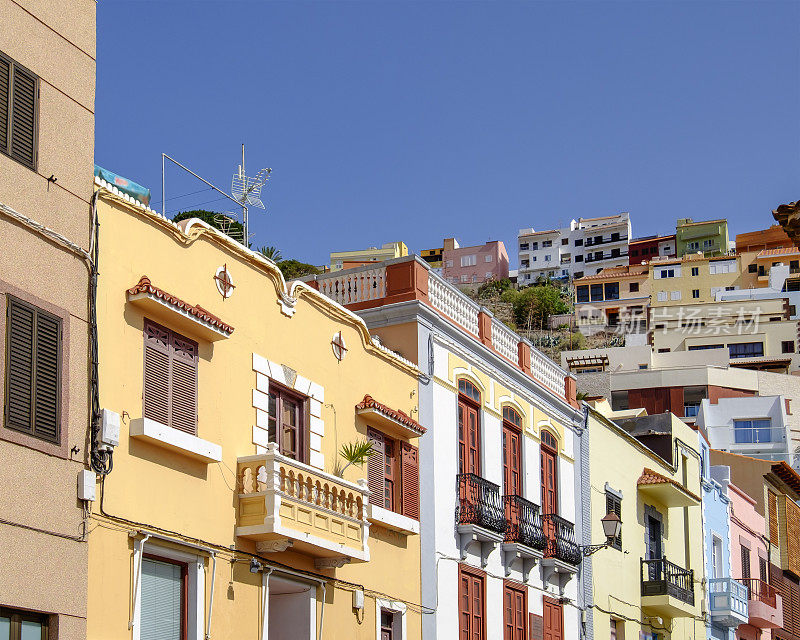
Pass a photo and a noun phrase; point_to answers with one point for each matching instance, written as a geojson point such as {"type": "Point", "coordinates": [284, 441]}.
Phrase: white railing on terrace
{"type": "Point", "coordinates": [452, 303]}
{"type": "Point", "coordinates": [547, 372]}
{"type": "Point", "coordinates": [352, 287]}
{"type": "Point", "coordinates": [505, 341]}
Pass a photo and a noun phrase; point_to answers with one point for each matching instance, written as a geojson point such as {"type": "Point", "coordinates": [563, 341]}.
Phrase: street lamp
{"type": "Point", "coordinates": [612, 526]}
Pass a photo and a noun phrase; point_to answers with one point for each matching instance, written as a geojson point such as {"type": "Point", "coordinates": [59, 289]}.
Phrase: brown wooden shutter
{"type": "Point", "coordinates": [375, 467]}
{"type": "Point", "coordinates": [19, 376]}
{"type": "Point", "coordinates": [47, 378]}
{"type": "Point", "coordinates": [409, 479]}
{"type": "Point", "coordinates": [156, 372]}
{"type": "Point", "coordinates": [774, 535]}
{"type": "Point", "coordinates": [183, 387]}
{"type": "Point", "coordinates": [23, 116]}
{"type": "Point", "coordinates": [5, 91]}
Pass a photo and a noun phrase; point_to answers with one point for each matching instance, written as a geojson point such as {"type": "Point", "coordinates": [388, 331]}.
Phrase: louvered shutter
{"type": "Point", "coordinates": [409, 479]}
{"type": "Point", "coordinates": [46, 375]}
{"type": "Point", "coordinates": [23, 116]}
{"type": "Point", "coordinates": [156, 372]}
{"type": "Point", "coordinates": [161, 609]}
{"type": "Point", "coordinates": [183, 387]}
{"type": "Point", "coordinates": [375, 467]}
{"type": "Point", "coordinates": [614, 504]}
{"type": "Point", "coordinates": [5, 91]}
{"type": "Point", "coordinates": [774, 536]}
{"type": "Point", "coordinates": [19, 382]}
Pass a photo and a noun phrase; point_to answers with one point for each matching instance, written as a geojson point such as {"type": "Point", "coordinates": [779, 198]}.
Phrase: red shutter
{"type": "Point", "coordinates": [156, 372]}
{"type": "Point", "coordinates": [471, 605]}
{"type": "Point", "coordinates": [409, 478]}
{"type": "Point", "coordinates": [375, 467]}
{"type": "Point", "coordinates": [183, 386]}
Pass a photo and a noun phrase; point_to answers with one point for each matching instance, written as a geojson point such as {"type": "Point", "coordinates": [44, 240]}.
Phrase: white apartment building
{"type": "Point", "coordinates": [584, 248]}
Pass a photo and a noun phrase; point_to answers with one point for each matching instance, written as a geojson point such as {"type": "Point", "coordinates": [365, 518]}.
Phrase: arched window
{"type": "Point", "coordinates": [469, 390]}
{"type": "Point", "coordinates": [510, 414]}
{"type": "Point", "coordinates": [549, 440]}
{"type": "Point", "coordinates": [549, 470]}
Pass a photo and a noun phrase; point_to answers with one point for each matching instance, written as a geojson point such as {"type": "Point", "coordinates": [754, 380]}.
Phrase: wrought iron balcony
{"type": "Point", "coordinates": [524, 524]}
{"type": "Point", "coordinates": [661, 577]}
{"type": "Point", "coordinates": [728, 601]}
{"type": "Point", "coordinates": [479, 503]}
{"type": "Point", "coordinates": [560, 536]}
{"type": "Point", "coordinates": [765, 606]}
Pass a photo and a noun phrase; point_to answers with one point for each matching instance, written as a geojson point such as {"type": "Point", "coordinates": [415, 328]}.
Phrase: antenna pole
{"type": "Point", "coordinates": [163, 195]}
{"type": "Point", "coordinates": [244, 207]}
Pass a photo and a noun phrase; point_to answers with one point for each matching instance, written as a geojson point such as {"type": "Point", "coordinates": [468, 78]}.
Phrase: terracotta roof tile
{"type": "Point", "coordinates": [395, 414]}
{"type": "Point", "coordinates": [653, 477]}
{"type": "Point", "coordinates": [145, 286]}
{"type": "Point", "coordinates": [778, 252]}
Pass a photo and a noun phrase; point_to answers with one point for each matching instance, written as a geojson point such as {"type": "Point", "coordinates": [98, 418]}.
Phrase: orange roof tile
{"type": "Point", "coordinates": [781, 251]}
{"type": "Point", "coordinates": [653, 477]}
{"type": "Point", "coordinates": [395, 414]}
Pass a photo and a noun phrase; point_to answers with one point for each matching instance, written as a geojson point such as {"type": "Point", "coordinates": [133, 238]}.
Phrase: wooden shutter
{"type": "Point", "coordinates": [375, 467]}
{"type": "Point", "coordinates": [5, 92]}
{"type": "Point", "coordinates": [514, 613]}
{"type": "Point", "coordinates": [156, 372]}
{"type": "Point", "coordinates": [409, 479]}
{"type": "Point", "coordinates": [471, 606]}
{"type": "Point", "coordinates": [745, 562]}
{"type": "Point", "coordinates": [23, 116]}
{"type": "Point", "coordinates": [33, 371]}
{"type": "Point", "coordinates": [774, 536]}
{"type": "Point", "coordinates": [183, 387]}
{"type": "Point", "coordinates": [614, 505]}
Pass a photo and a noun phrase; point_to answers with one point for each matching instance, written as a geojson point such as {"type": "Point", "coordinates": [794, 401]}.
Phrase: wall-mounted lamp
{"type": "Point", "coordinates": [612, 526]}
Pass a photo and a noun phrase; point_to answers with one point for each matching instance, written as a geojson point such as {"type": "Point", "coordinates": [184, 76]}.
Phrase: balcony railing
{"type": "Point", "coordinates": [591, 258]}
{"type": "Point", "coordinates": [591, 242]}
{"type": "Point", "coordinates": [728, 600]}
{"type": "Point", "coordinates": [354, 287]}
{"type": "Point", "coordinates": [662, 577]}
{"type": "Point", "coordinates": [760, 591]}
{"type": "Point", "coordinates": [479, 503]}
{"type": "Point", "coordinates": [524, 523]}
{"type": "Point", "coordinates": [560, 535]}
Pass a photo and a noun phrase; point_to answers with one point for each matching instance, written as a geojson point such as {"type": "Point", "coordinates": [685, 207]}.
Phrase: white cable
{"type": "Point", "coordinates": [46, 232]}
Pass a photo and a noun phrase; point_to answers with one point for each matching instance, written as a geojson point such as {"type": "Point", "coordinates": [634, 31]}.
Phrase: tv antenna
{"type": "Point", "coordinates": [245, 192]}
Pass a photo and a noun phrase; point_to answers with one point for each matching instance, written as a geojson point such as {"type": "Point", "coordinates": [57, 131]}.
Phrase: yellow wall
{"type": "Point", "coordinates": [169, 491]}
{"type": "Point", "coordinates": [686, 283]}
{"type": "Point", "coordinates": [616, 575]}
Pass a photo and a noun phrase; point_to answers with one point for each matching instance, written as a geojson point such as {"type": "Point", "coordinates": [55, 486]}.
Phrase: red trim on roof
{"type": "Point", "coordinates": [395, 414]}
{"type": "Point", "coordinates": [145, 286]}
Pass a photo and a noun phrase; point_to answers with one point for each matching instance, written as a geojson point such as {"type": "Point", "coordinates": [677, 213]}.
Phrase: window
{"type": "Point", "coordinates": [617, 629]}
{"type": "Point", "coordinates": [598, 239]}
{"type": "Point", "coordinates": [716, 556]}
{"type": "Point", "coordinates": [579, 274]}
{"type": "Point", "coordinates": [170, 378]}
{"type": "Point", "coordinates": [693, 246]}
{"type": "Point", "coordinates": [523, 246]}
{"type": "Point", "coordinates": [666, 273]}
{"type": "Point", "coordinates": [393, 474]}
{"type": "Point", "coordinates": [533, 259]}
{"type": "Point", "coordinates": [391, 625]}
{"type": "Point", "coordinates": [662, 296]}
{"type": "Point", "coordinates": [615, 237]}
{"type": "Point", "coordinates": [695, 271]}
{"type": "Point", "coordinates": [695, 293]}
{"type": "Point", "coordinates": [547, 243]}
{"type": "Point", "coordinates": [22, 625]}
{"type": "Point", "coordinates": [615, 253]}
{"type": "Point", "coordinates": [745, 554]}
{"type": "Point", "coordinates": [751, 268]}
{"type": "Point", "coordinates": [663, 350]}
{"type": "Point", "coordinates": [598, 255]}
{"type": "Point", "coordinates": [487, 258]}
{"type": "Point", "coordinates": [564, 241]}
{"type": "Point", "coordinates": [700, 347]}
{"type": "Point", "coordinates": [19, 111]}
{"type": "Point", "coordinates": [597, 292]}
{"type": "Point", "coordinates": [614, 505]}
{"type": "Point", "coordinates": [547, 258]}
{"type": "Point", "coordinates": [794, 266]}
{"type": "Point", "coordinates": [752, 431]}
{"type": "Point", "coordinates": [33, 371]}
{"type": "Point", "coordinates": [488, 274]}
{"type": "Point", "coordinates": [515, 612]}
{"type": "Point", "coordinates": [708, 244]}
{"type": "Point", "coordinates": [582, 293]}
{"type": "Point", "coordinates": [633, 287]}
{"type": "Point", "coordinates": [464, 278]}
{"type": "Point", "coordinates": [534, 246]}
{"type": "Point", "coordinates": [469, 431]}
{"type": "Point", "coordinates": [675, 295]}
{"type": "Point", "coordinates": [471, 604]}
{"type": "Point", "coordinates": [286, 422]}
{"type": "Point", "coordinates": [579, 258]}
{"type": "Point", "coordinates": [612, 290]}
{"type": "Point", "coordinates": [787, 346]}
{"type": "Point", "coordinates": [163, 599]}
{"type": "Point", "coordinates": [469, 261]}
{"type": "Point", "coordinates": [746, 349]}
{"type": "Point", "coordinates": [525, 263]}
{"type": "Point", "coordinates": [579, 242]}
{"type": "Point", "coordinates": [722, 266]}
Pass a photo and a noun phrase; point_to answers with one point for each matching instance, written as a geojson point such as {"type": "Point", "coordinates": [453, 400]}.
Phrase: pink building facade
{"type": "Point", "coordinates": [472, 265]}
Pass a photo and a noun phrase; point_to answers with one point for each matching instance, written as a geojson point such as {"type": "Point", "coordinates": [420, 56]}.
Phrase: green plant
{"type": "Point", "coordinates": [493, 287]}
{"type": "Point", "coordinates": [535, 305]}
{"type": "Point", "coordinates": [353, 453]}
{"type": "Point", "coordinates": [271, 253]}
{"type": "Point", "coordinates": [294, 269]}
{"type": "Point", "coordinates": [577, 340]}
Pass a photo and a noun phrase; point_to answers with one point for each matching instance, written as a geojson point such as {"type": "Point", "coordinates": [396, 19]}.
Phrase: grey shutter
{"type": "Point", "coordinates": [46, 376]}
{"type": "Point", "coordinates": [183, 387]}
{"type": "Point", "coordinates": [156, 372]}
{"type": "Point", "coordinates": [161, 601]}
{"type": "Point", "coordinates": [5, 91]}
{"type": "Point", "coordinates": [23, 117]}
{"type": "Point", "coordinates": [19, 371]}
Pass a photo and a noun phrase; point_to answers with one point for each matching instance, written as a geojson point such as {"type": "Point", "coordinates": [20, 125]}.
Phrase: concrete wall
{"type": "Point", "coordinates": [44, 569]}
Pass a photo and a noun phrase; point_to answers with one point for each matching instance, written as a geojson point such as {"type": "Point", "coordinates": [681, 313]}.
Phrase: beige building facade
{"type": "Point", "coordinates": [47, 90]}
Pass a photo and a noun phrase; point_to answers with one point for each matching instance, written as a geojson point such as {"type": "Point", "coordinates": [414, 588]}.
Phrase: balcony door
{"type": "Point", "coordinates": [469, 432]}
{"type": "Point", "coordinates": [512, 452]}
{"type": "Point", "coordinates": [549, 472]}
{"type": "Point", "coordinates": [654, 549]}
{"type": "Point", "coordinates": [515, 611]}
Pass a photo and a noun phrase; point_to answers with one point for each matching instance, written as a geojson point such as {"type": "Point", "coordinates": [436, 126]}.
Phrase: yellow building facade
{"type": "Point", "coordinates": [227, 396]}
{"type": "Point", "coordinates": [615, 297]}
{"type": "Point", "coordinates": [649, 582]}
{"type": "Point", "coordinates": [360, 257]}
{"type": "Point", "coordinates": [692, 279]}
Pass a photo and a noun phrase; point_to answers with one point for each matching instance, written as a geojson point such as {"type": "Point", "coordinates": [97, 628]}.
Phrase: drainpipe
{"type": "Point", "coordinates": [265, 603]}
{"type": "Point", "coordinates": [211, 601]}
{"type": "Point", "coordinates": [138, 579]}
{"type": "Point", "coordinates": [322, 611]}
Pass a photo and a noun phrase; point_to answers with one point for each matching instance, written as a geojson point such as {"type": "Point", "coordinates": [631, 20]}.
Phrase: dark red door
{"type": "Point", "coordinates": [469, 445]}
{"type": "Point", "coordinates": [512, 457]}
{"type": "Point", "coordinates": [553, 620]}
{"type": "Point", "coordinates": [470, 606]}
{"type": "Point", "coordinates": [514, 613]}
{"type": "Point", "coordinates": [549, 482]}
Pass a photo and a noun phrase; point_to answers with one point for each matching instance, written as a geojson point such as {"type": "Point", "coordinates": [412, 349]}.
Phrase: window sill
{"type": "Point", "coordinates": [175, 440]}
{"type": "Point", "coordinates": [391, 520]}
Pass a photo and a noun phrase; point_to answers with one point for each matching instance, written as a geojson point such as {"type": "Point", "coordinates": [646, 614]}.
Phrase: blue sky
{"type": "Point", "coordinates": [416, 121]}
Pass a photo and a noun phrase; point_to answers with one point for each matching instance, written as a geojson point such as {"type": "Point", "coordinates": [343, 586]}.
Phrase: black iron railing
{"type": "Point", "coordinates": [479, 503]}
{"type": "Point", "coordinates": [560, 536]}
{"type": "Point", "coordinates": [524, 522]}
{"type": "Point", "coordinates": [591, 242]}
{"type": "Point", "coordinates": [662, 577]}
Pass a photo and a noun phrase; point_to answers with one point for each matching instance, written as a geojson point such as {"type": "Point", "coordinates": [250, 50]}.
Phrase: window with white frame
{"type": "Point", "coordinates": [469, 261]}
{"type": "Point", "coordinates": [488, 258]}
{"type": "Point", "coordinates": [675, 295]}
{"type": "Point", "coordinates": [666, 273]}
{"type": "Point", "coordinates": [464, 278]}
{"type": "Point", "coordinates": [662, 296]}
{"type": "Point", "coordinates": [752, 431]}
{"type": "Point", "coordinates": [449, 263]}
{"type": "Point", "coordinates": [390, 620]}
{"type": "Point", "coordinates": [722, 266]}
{"type": "Point", "coordinates": [547, 258]}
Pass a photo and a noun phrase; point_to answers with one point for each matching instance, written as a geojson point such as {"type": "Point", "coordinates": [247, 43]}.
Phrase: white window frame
{"type": "Point", "coordinates": [488, 258]}
{"type": "Point", "coordinates": [469, 261]}
{"type": "Point", "coordinates": [662, 296]}
{"type": "Point", "coordinates": [675, 295]}
{"type": "Point", "coordinates": [398, 608]}
{"type": "Point", "coordinates": [717, 558]}
{"type": "Point", "coordinates": [547, 258]}
{"type": "Point", "coordinates": [195, 598]}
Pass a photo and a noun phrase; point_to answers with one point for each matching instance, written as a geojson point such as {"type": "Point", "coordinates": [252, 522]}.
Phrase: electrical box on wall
{"type": "Point", "coordinates": [358, 599]}
{"type": "Point", "coordinates": [87, 485]}
{"type": "Point", "coordinates": [109, 429]}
